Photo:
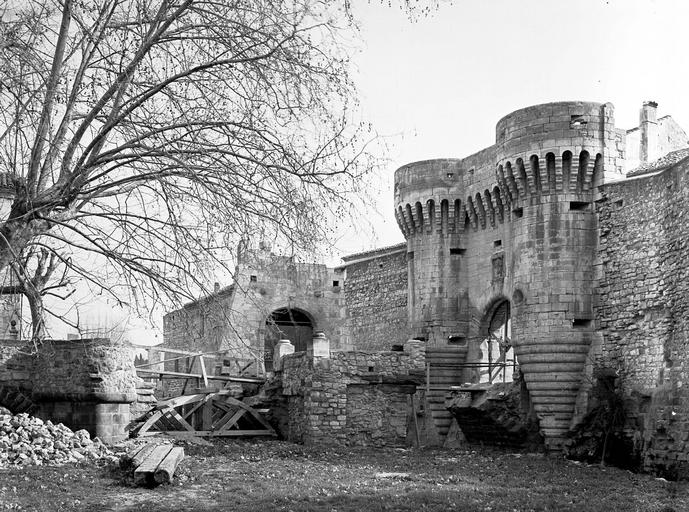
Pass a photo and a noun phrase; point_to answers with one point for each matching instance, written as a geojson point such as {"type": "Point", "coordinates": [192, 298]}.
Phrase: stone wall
{"type": "Point", "coordinates": [376, 298]}
{"type": "Point", "coordinates": [234, 319]}
{"type": "Point", "coordinates": [643, 310]}
{"type": "Point", "coordinates": [82, 383]}
{"type": "Point", "coordinates": [352, 398]}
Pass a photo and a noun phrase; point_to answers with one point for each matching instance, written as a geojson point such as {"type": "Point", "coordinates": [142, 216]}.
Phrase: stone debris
{"type": "Point", "coordinates": [27, 440]}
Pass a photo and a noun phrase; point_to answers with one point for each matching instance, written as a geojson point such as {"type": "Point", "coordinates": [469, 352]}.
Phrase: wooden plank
{"type": "Point", "coordinates": [203, 371]}
{"type": "Point", "coordinates": [226, 433]}
{"type": "Point", "coordinates": [180, 400]}
{"type": "Point", "coordinates": [229, 420]}
{"type": "Point", "coordinates": [176, 375]}
{"type": "Point", "coordinates": [142, 454]}
{"type": "Point", "coordinates": [144, 473]}
{"type": "Point", "coordinates": [183, 352]}
{"type": "Point", "coordinates": [166, 469]}
{"type": "Point", "coordinates": [152, 419]}
{"type": "Point", "coordinates": [207, 414]}
{"type": "Point", "coordinates": [126, 461]}
{"type": "Point", "coordinates": [172, 412]}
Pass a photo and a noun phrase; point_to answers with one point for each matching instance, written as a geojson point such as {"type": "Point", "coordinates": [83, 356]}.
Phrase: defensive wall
{"type": "Point", "coordinates": [642, 310]}
{"type": "Point", "coordinates": [268, 292]}
{"type": "Point", "coordinates": [544, 227]}
{"type": "Point", "coordinates": [529, 221]}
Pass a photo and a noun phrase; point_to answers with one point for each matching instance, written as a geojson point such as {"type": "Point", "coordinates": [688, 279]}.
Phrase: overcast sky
{"type": "Point", "coordinates": [439, 85]}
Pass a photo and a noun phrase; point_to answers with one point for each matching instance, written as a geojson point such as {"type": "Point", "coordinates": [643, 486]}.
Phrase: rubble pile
{"type": "Point", "coordinates": [26, 440]}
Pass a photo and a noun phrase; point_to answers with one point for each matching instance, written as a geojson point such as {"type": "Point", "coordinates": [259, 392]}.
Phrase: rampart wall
{"type": "Point", "coordinates": [375, 291]}
{"type": "Point", "coordinates": [643, 310]}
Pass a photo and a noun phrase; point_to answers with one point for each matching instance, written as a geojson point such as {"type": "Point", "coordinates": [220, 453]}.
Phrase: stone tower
{"type": "Point", "coordinates": [515, 223]}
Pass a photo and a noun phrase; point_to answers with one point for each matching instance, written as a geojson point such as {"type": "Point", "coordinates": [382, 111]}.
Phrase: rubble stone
{"type": "Point", "coordinates": [27, 440]}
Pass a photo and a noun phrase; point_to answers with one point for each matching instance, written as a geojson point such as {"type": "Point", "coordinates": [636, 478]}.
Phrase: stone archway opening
{"type": "Point", "coordinates": [291, 324]}
{"type": "Point", "coordinates": [498, 361]}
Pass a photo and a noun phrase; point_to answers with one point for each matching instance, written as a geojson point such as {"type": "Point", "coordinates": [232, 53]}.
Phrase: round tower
{"type": "Point", "coordinates": [549, 159]}
{"type": "Point", "coordinates": [430, 213]}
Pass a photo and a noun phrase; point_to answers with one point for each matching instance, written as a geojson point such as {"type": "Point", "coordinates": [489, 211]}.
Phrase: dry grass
{"type": "Point", "coordinates": [261, 476]}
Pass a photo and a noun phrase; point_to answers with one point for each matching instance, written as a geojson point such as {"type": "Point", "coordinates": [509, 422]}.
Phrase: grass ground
{"type": "Point", "coordinates": [247, 476]}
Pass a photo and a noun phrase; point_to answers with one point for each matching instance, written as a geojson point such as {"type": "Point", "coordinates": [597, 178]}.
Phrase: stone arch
{"type": "Point", "coordinates": [522, 181]}
{"type": "Point", "coordinates": [294, 324]}
{"type": "Point", "coordinates": [536, 173]}
{"type": "Point", "coordinates": [444, 215]}
{"type": "Point", "coordinates": [551, 171]}
{"type": "Point", "coordinates": [566, 170]}
{"type": "Point", "coordinates": [499, 207]}
{"type": "Point", "coordinates": [480, 210]}
{"type": "Point", "coordinates": [419, 217]}
{"type": "Point", "coordinates": [583, 173]}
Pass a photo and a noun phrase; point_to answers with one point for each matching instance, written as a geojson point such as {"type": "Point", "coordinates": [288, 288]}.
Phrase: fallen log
{"type": "Point", "coordinates": [133, 459]}
{"type": "Point", "coordinates": [143, 474]}
{"type": "Point", "coordinates": [166, 469]}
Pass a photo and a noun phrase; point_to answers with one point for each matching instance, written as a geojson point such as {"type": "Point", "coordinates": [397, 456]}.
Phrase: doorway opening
{"type": "Point", "coordinates": [290, 324]}
{"type": "Point", "coordinates": [498, 362]}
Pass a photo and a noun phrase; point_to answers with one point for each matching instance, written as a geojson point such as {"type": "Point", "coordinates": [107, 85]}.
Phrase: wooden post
{"type": "Point", "coordinates": [203, 371]}
{"type": "Point", "coordinates": [428, 379]}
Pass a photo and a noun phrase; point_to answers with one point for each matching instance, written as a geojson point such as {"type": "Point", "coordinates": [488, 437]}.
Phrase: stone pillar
{"type": "Point", "coordinates": [86, 384]}
{"type": "Point", "coordinates": [319, 346]}
{"type": "Point", "coordinates": [416, 349]}
{"type": "Point", "coordinates": [282, 348]}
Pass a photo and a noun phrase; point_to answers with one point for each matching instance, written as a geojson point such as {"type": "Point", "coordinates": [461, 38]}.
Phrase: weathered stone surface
{"type": "Point", "coordinates": [353, 398]}
{"type": "Point", "coordinates": [496, 416]}
{"type": "Point", "coordinates": [643, 312]}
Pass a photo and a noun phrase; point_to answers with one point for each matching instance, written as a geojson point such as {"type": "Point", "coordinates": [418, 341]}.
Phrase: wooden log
{"type": "Point", "coordinates": [144, 473]}
{"type": "Point", "coordinates": [127, 458]}
{"type": "Point", "coordinates": [166, 469]}
{"type": "Point", "coordinates": [142, 454]}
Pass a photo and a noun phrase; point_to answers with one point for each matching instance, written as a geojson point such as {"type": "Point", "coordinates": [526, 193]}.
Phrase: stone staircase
{"type": "Point", "coordinates": [443, 371]}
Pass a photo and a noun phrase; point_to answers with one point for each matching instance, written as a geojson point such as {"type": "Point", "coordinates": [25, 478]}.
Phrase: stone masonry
{"type": "Point", "coordinates": [351, 398]}
{"type": "Point", "coordinates": [85, 384]}
{"type": "Point", "coordinates": [643, 310]}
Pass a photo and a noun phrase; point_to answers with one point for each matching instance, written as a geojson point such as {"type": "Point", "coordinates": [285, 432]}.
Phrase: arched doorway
{"type": "Point", "coordinates": [497, 355]}
{"type": "Point", "coordinates": [290, 324]}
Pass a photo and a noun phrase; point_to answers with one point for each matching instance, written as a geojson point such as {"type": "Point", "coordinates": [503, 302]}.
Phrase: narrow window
{"type": "Point", "coordinates": [518, 213]}
{"type": "Point", "coordinates": [497, 243]}
{"type": "Point", "coordinates": [456, 340]}
{"type": "Point", "coordinates": [579, 206]}
{"type": "Point", "coordinates": [253, 279]}
{"type": "Point", "coordinates": [336, 283]}
{"type": "Point", "coordinates": [577, 122]}
{"type": "Point", "coordinates": [457, 250]}
{"type": "Point", "coordinates": [581, 322]}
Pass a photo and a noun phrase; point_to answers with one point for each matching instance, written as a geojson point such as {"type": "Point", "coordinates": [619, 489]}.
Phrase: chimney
{"type": "Point", "coordinates": [648, 125]}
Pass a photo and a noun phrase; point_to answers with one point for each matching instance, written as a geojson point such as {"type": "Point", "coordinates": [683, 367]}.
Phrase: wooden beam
{"type": "Point", "coordinates": [181, 375]}
{"type": "Point", "coordinates": [166, 469]}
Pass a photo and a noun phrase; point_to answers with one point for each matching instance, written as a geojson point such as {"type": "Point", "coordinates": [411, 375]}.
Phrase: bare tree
{"type": "Point", "coordinates": [146, 137]}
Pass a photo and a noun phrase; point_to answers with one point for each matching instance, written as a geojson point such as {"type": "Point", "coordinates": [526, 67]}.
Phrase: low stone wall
{"type": "Point", "coordinates": [82, 383]}
{"type": "Point", "coordinates": [351, 398]}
